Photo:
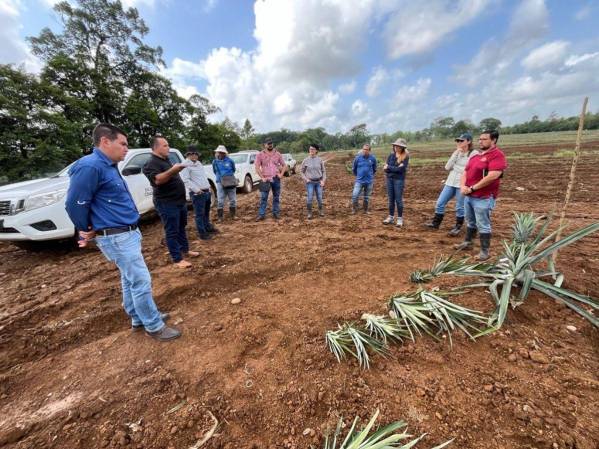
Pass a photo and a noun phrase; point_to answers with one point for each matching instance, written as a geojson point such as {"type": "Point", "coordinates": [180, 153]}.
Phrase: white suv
{"type": "Point", "coordinates": [35, 210]}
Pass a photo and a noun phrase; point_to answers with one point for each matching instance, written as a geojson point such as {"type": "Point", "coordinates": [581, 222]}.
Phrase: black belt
{"type": "Point", "coordinates": [119, 230]}
{"type": "Point", "coordinates": [201, 191]}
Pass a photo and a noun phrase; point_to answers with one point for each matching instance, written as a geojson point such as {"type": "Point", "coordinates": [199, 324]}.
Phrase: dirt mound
{"type": "Point", "coordinates": [73, 374]}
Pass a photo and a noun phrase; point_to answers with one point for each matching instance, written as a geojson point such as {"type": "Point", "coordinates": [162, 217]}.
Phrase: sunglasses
{"type": "Point", "coordinates": [460, 140]}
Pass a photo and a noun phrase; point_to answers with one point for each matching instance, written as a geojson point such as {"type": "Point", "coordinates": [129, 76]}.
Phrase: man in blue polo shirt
{"type": "Point", "coordinates": [101, 208]}
{"type": "Point", "coordinates": [364, 168]}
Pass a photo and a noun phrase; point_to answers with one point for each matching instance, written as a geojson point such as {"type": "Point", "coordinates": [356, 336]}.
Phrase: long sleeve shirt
{"type": "Point", "coordinates": [194, 177]}
{"type": "Point", "coordinates": [455, 166]}
{"type": "Point", "coordinates": [313, 169]}
{"type": "Point", "coordinates": [98, 197]}
{"type": "Point", "coordinates": [396, 169]}
{"type": "Point", "coordinates": [223, 167]}
{"type": "Point", "coordinates": [364, 168]}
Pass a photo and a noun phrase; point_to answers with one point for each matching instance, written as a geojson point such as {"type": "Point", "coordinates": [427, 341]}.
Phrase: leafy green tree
{"type": "Point", "coordinates": [489, 123]}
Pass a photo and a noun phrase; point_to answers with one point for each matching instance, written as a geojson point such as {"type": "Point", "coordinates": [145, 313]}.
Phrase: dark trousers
{"type": "Point", "coordinates": [174, 220]}
{"type": "Point", "coordinates": [201, 207]}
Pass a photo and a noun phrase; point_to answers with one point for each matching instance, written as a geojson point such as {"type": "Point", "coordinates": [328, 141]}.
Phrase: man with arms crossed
{"type": "Point", "coordinates": [480, 186]}
{"type": "Point", "coordinates": [101, 207]}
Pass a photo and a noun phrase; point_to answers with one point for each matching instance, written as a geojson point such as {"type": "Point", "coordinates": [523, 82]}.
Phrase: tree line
{"type": "Point", "coordinates": [99, 69]}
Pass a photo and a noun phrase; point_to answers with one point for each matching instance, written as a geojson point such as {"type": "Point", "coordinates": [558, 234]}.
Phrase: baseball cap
{"type": "Point", "coordinates": [464, 136]}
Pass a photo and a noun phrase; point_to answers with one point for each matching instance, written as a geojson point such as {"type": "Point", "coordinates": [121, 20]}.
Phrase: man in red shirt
{"type": "Point", "coordinates": [271, 167]}
{"type": "Point", "coordinates": [480, 187]}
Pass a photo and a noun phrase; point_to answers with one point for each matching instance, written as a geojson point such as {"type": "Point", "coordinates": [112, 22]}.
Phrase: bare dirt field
{"type": "Point", "coordinates": [73, 374]}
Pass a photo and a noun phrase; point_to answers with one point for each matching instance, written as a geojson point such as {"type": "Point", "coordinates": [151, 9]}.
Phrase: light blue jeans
{"type": "Point", "coordinates": [311, 189]}
{"type": "Point", "coordinates": [222, 193]}
{"type": "Point", "coordinates": [125, 251]}
{"type": "Point", "coordinates": [358, 188]}
{"type": "Point", "coordinates": [478, 213]}
{"type": "Point", "coordinates": [445, 197]}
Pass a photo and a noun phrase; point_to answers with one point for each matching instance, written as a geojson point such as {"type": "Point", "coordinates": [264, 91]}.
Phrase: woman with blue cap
{"type": "Point", "coordinates": [455, 165]}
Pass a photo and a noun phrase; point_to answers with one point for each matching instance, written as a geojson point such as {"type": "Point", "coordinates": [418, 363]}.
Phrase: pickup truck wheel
{"type": "Point", "coordinates": [248, 185]}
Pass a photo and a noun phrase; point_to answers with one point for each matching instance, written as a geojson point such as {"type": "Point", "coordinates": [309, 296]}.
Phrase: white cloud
{"type": "Point", "coordinates": [379, 77]}
{"type": "Point", "coordinates": [529, 22]}
{"type": "Point", "coordinates": [577, 59]}
{"type": "Point", "coordinates": [417, 27]}
{"type": "Point", "coordinates": [14, 50]}
{"type": "Point", "coordinates": [302, 49]}
{"type": "Point", "coordinates": [209, 5]}
{"type": "Point", "coordinates": [547, 55]}
{"type": "Point", "coordinates": [348, 88]}
{"type": "Point", "coordinates": [359, 108]}
{"type": "Point", "coordinates": [413, 93]}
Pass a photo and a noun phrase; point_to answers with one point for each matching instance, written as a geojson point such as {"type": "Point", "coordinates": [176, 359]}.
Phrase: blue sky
{"type": "Point", "coordinates": [393, 64]}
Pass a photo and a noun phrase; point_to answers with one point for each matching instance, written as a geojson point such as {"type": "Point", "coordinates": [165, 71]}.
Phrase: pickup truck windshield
{"type": "Point", "coordinates": [239, 158]}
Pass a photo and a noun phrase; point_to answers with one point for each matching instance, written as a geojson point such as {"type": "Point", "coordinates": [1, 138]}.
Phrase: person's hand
{"type": "Point", "coordinates": [179, 166]}
{"type": "Point", "coordinates": [263, 179]}
{"type": "Point", "coordinates": [386, 166]}
{"type": "Point", "coordinates": [85, 237]}
{"type": "Point", "coordinates": [465, 190]}
{"type": "Point", "coordinates": [321, 183]}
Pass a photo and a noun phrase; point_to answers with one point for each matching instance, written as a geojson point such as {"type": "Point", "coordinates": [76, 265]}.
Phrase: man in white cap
{"type": "Point", "coordinates": [226, 183]}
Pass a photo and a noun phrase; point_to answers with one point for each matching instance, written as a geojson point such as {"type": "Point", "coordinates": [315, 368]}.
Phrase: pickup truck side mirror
{"type": "Point", "coordinates": [131, 170]}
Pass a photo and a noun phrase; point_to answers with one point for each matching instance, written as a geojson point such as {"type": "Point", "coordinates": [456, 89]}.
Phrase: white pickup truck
{"type": "Point", "coordinates": [34, 210]}
{"type": "Point", "coordinates": [245, 169]}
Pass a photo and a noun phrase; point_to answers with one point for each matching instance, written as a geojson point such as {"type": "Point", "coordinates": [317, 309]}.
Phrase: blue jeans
{"type": "Point", "coordinates": [174, 220]}
{"type": "Point", "coordinates": [311, 188]}
{"type": "Point", "coordinates": [478, 213]}
{"type": "Point", "coordinates": [395, 195]}
{"type": "Point", "coordinates": [275, 186]}
{"type": "Point", "coordinates": [445, 197]}
{"type": "Point", "coordinates": [125, 251]}
{"type": "Point", "coordinates": [222, 193]}
{"type": "Point", "coordinates": [358, 188]}
{"type": "Point", "coordinates": [201, 207]}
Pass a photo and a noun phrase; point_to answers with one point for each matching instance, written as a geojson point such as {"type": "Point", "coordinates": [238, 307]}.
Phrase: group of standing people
{"type": "Point", "coordinates": [101, 207]}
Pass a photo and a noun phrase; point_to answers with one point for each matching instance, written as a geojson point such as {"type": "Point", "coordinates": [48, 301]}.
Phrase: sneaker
{"type": "Point", "coordinates": [165, 334]}
{"type": "Point", "coordinates": [275, 216]}
{"type": "Point", "coordinates": [206, 236]}
{"type": "Point", "coordinates": [182, 264]}
{"type": "Point", "coordinates": [260, 218]}
{"type": "Point", "coordinates": [399, 222]}
{"type": "Point", "coordinates": [138, 327]}
{"type": "Point", "coordinates": [388, 220]}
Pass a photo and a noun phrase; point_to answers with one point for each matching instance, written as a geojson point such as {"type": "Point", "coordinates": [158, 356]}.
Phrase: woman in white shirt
{"type": "Point", "coordinates": [455, 165]}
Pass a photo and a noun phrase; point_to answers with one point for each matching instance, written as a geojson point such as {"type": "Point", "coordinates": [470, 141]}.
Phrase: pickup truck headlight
{"type": "Point", "coordinates": [44, 199]}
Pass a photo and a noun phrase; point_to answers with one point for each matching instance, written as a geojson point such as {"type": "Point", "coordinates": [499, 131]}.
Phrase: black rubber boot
{"type": "Point", "coordinates": [366, 207]}
{"type": "Point", "coordinates": [232, 212]}
{"type": "Point", "coordinates": [309, 207]}
{"type": "Point", "coordinates": [459, 221]}
{"type": "Point", "coordinates": [485, 244]}
{"type": "Point", "coordinates": [220, 213]}
{"type": "Point", "coordinates": [354, 207]}
{"type": "Point", "coordinates": [320, 211]}
{"type": "Point", "coordinates": [467, 243]}
{"type": "Point", "coordinates": [435, 222]}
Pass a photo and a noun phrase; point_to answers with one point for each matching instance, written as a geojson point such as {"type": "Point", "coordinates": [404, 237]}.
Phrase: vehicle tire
{"type": "Point", "coordinates": [47, 245]}
{"type": "Point", "coordinates": [248, 184]}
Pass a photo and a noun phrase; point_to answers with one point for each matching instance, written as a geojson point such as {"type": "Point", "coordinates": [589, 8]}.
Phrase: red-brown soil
{"type": "Point", "coordinates": [73, 375]}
